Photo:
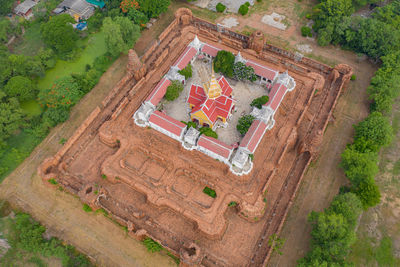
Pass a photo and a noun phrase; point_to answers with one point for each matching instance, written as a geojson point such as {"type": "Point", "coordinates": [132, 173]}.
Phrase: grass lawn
{"type": "Point", "coordinates": [95, 46]}
{"type": "Point", "coordinates": [31, 43]}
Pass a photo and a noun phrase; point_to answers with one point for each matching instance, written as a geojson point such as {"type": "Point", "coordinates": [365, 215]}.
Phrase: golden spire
{"type": "Point", "coordinates": [213, 89]}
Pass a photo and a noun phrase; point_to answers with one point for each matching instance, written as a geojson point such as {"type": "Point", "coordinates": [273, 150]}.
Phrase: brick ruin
{"type": "Point", "coordinates": [150, 183]}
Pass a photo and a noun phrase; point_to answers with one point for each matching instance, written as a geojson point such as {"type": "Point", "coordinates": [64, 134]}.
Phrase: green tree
{"type": "Point", "coordinates": [173, 91]}
{"type": "Point", "coordinates": [224, 62]}
{"type": "Point", "coordinates": [260, 101]}
{"type": "Point", "coordinates": [20, 87]}
{"type": "Point", "coordinates": [187, 72]}
{"type": "Point", "coordinates": [65, 92]}
{"type": "Point", "coordinates": [59, 34]}
{"type": "Point", "coordinates": [242, 72]}
{"type": "Point", "coordinates": [359, 166]}
{"type": "Point", "coordinates": [375, 131]}
{"type": "Point", "coordinates": [208, 132]}
{"type": "Point", "coordinates": [244, 124]}
{"type": "Point", "coordinates": [349, 205]}
{"type": "Point", "coordinates": [368, 192]}
{"type": "Point", "coordinates": [120, 34]}
{"type": "Point", "coordinates": [11, 118]}
{"type": "Point", "coordinates": [138, 17]}
{"type": "Point", "coordinates": [6, 6]}
{"type": "Point", "coordinates": [153, 8]}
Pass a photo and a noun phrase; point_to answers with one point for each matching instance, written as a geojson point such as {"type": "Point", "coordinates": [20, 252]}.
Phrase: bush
{"type": "Point", "coordinates": [353, 77]}
{"type": "Point", "coordinates": [210, 192]}
{"type": "Point", "coordinates": [208, 132]}
{"type": "Point", "coordinates": [224, 62]}
{"type": "Point", "coordinates": [87, 208]}
{"type": "Point", "coordinates": [220, 7]}
{"type": "Point", "coordinates": [187, 72]}
{"type": "Point", "coordinates": [259, 102]}
{"type": "Point", "coordinates": [306, 31]}
{"type": "Point", "coordinates": [244, 124]}
{"type": "Point", "coordinates": [173, 91]}
{"type": "Point", "coordinates": [243, 72]}
{"type": "Point", "coordinates": [244, 9]}
{"type": "Point", "coordinates": [52, 181]}
{"type": "Point", "coordinates": [152, 245]}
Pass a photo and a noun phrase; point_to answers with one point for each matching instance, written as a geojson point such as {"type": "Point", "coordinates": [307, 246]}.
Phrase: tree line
{"type": "Point", "coordinates": [333, 230]}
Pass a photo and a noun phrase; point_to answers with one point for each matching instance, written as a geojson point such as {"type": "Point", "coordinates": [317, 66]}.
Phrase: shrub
{"type": "Point", "coordinates": [260, 101]}
{"type": "Point", "coordinates": [208, 132]}
{"type": "Point", "coordinates": [210, 192]}
{"type": "Point", "coordinates": [187, 72]}
{"type": "Point", "coordinates": [232, 204]}
{"type": "Point", "coordinates": [173, 91]}
{"type": "Point", "coordinates": [353, 77]}
{"type": "Point", "coordinates": [220, 7]}
{"type": "Point", "coordinates": [244, 9]}
{"type": "Point", "coordinates": [243, 72]}
{"type": "Point", "coordinates": [103, 176]}
{"type": "Point", "coordinates": [244, 124]}
{"type": "Point", "coordinates": [306, 31]}
{"type": "Point", "coordinates": [87, 208]}
{"type": "Point", "coordinates": [224, 62]}
{"type": "Point", "coordinates": [53, 181]}
{"type": "Point", "coordinates": [152, 245]}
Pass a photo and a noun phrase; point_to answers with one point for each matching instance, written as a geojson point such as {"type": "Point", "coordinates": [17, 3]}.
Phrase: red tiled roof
{"type": "Point", "coordinates": [254, 135]}
{"type": "Point", "coordinates": [196, 95]}
{"type": "Point", "coordinates": [158, 93]}
{"type": "Point", "coordinates": [167, 123]}
{"type": "Point", "coordinates": [278, 97]}
{"type": "Point", "coordinates": [262, 70]}
{"type": "Point", "coordinates": [212, 108]}
{"type": "Point", "coordinates": [186, 57]}
{"type": "Point", "coordinates": [210, 50]}
{"type": "Point", "coordinates": [216, 146]}
{"type": "Point", "coordinates": [225, 86]}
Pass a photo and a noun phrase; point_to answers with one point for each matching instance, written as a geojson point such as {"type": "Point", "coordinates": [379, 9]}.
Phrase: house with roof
{"type": "Point", "coordinates": [24, 9]}
{"type": "Point", "coordinates": [211, 104]}
{"type": "Point", "coordinates": [79, 9]}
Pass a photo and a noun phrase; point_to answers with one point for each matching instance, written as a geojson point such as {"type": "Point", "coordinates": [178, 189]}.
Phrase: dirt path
{"type": "Point", "coordinates": [62, 213]}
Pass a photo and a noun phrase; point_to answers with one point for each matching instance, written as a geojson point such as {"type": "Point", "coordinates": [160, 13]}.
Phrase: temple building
{"type": "Point", "coordinates": [211, 104]}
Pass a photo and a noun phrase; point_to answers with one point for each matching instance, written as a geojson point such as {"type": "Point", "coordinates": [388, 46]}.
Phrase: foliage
{"type": "Point", "coordinates": [306, 31]}
{"type": "Point", "coordinates": [65, 92]}
{"type": "Point", "coordinates": [120, 34]}
{"type": "Point", "coordinates": [6, 6]}
{"type": "Point", "coordinates": [208, 132]}
{"type": "Point", "coordinates": [244, 124]}
{"type": "Point", "coordinates": [244, 9]}
{"type": "Point", "coordinates": [173, 91]}
{"type": "Point", "coordinates": [187, 72]}
{"type": "Point", "coordinates": [152, 245]}
{"type": "Point", "coordinates": [242, 72]}
{"type": "Point", "coordinates": [276, 243]}
{"type": "Point", "coordinates": [11, 118]}
{"type": "Point", "coordinates": [53, 181]}
{"type": "Point", "coordinates": [87, 208]}
{"type": "Point", "coordinates": [375, 131]}
{"type": "Point", "coordinates": [260, 101]}
{"type": "Point", "coordinates": [368, 192]}
{"type": "Point", "coordinates": [153, 8]}
{"type": "Point", "coordinates": [190, 124]}
{"type": "Point", "coordinates": [59, 34]}
{"type": "Point", "coordinates": [138, 17]}
{"type": "Point", "coordinates": [232, 204]}
{"type": "Point", "coordinates": [333, 232]}
{"type": "Point", "coordinates": [211, 192]}
{"type": "Point", "coordinates": [127, 5]}
{"type": "Point", "coordinates": [20, 87]}
{"type": "Point", "coordinates": [224, 62]}
{"type": "Point", "coordinates": [220, 7]}
{"type": "Point", "coordinates": [26, 235]}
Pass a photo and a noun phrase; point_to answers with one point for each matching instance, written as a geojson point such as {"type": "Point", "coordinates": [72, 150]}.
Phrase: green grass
{"type": "Point", "coordinates": [31, 43]}
{"type": "Point", "coordinates": [95, 46]}
{"type": "Point", "coordinates": [31, 108]}
{"type": "Point", "coordinates": [396, 168]}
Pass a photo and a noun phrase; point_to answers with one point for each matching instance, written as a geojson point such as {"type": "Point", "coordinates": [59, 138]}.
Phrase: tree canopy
{"type": "Point", "coordinates": [153, 8]}
{"type": "Point", "coordinates": [59, 34]}
{"type": "Point", "coordinates": [20, 87]}
{"type": "Point", "coordinates": [224, 62]}
{"type": "Point", "coordinates": [11, 118]}
{"type": "Point", "coordinates": [120, 34]}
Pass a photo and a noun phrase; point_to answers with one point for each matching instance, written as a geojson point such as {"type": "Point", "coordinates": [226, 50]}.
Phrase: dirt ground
{"type": "Point", "coordinates": [59, 211]}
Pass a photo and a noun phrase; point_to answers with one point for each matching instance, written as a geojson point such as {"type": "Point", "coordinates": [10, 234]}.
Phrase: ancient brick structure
{"type": "Point", "coordinates": [150, 183]}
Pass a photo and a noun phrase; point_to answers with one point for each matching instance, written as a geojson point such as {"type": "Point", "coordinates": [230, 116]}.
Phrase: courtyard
{"type": "Point", "coordinates": [243, 93]}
